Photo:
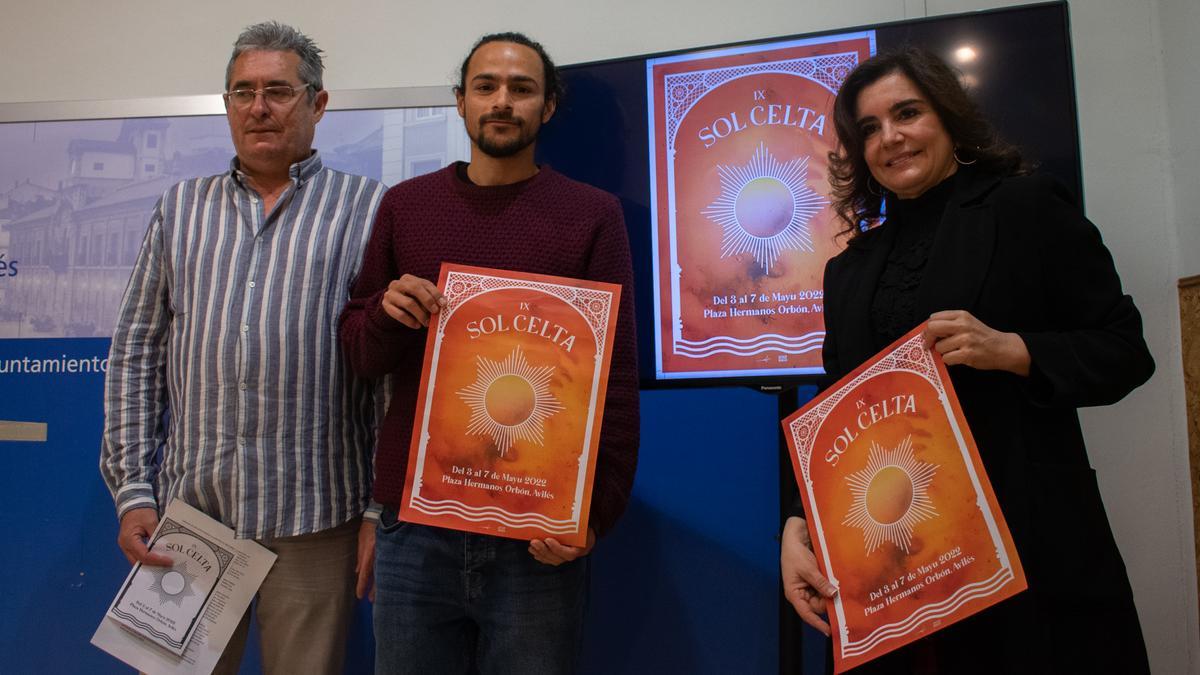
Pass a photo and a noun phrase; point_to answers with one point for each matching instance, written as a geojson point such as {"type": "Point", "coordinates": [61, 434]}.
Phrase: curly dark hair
{"type": "Point", "coordinates": [553, 84]}
{"type": "Point", "coordinates": [975, 140]}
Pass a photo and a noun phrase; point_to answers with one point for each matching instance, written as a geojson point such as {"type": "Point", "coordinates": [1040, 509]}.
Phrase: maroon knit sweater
{"type": "Point", "coordinates": [548, 224]}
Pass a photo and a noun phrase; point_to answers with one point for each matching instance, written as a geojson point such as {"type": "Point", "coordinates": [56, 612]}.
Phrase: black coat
{"type": "Point", "coordinates": [1017, 253]}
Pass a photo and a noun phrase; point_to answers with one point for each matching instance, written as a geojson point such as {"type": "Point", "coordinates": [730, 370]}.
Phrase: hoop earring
{"type": "Point", "coordinates": [960, 161]}
{"type": "Point", "coordinates": [877, 194]}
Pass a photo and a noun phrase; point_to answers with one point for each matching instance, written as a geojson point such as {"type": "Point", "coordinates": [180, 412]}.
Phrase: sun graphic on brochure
{"type": "Point", "coordinates": [764, 207]}
{"type": "Point", "coordinates": [890, 496]}
{"type": "Point", "coordinates": [510, 400]}
{"type": "Point", "coordinates": [172, 584]}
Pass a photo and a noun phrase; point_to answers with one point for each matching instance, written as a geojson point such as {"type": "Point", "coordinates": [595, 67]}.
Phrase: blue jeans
{"type": "Point", "coordinates": [456, 602]}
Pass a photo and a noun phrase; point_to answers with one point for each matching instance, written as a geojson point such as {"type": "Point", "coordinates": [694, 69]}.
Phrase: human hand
{"type": "Point", "coordinates": [412, 301]}
{"type": "Point", "coordinates": [962, 339]}
{"type": "Point", "coordinates": [548, 551]}
{"type": "Point", "coordinates": [365, 566]}
{"type": "Point", "coordinates": [803, 584]}
{"type": "Point", "coordinates": [136, 527]}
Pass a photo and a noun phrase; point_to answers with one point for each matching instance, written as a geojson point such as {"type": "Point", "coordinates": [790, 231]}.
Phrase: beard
{"type": "Point", "coordinates": [489, 145]}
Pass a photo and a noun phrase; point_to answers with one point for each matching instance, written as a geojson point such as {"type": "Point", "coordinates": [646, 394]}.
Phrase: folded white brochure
{"type": "Point", "coordinates": [178, 619]}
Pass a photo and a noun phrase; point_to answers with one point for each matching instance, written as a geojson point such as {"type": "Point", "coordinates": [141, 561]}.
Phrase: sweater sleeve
{"type": "Point", "coordinates": [616, 460]}
{"type": "Point", "coordinates": [1098, 354]}
{"type": "Point", "coordinates": [375, 342]}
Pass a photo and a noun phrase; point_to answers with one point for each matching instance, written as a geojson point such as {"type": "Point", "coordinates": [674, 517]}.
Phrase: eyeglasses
{"type": "Point", "coordinates": [276, 94]}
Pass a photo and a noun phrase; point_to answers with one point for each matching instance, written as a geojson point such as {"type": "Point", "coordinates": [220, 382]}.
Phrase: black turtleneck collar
{"type": "Point", "coordinates": [928, 205]}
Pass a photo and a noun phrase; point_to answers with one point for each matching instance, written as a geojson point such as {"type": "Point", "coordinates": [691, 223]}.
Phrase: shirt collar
{"type": "Point", "coordinates": [300, 172]}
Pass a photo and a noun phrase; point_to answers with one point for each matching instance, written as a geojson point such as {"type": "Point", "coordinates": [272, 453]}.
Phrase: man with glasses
{"type": "Point", "coordinates": [226, 387]}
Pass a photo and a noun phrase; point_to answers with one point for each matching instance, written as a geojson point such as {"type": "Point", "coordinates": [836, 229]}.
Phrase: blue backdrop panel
{"type": "Point", "coordinates": [62, 565]}
{"type": "Point", "coordinates": [688, 581]}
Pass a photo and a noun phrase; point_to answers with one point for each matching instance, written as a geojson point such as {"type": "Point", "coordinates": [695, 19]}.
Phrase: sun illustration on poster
{"type": "Point", "coordinates": [172, 584]}
{"type": "Point", "coordinates": [890, 496]}
{"type": "Point", "coordinates": [764, 207]}
{"type": "Point", "coordinates": [510, 400]}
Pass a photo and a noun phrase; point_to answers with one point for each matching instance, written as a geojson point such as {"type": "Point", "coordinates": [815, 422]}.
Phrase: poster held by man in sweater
{"type": "Point", "coordinates": [510, 405]}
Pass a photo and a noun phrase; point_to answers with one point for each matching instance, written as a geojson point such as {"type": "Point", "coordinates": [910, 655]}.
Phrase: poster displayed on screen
{"type": "Point", "coordinates": [741, 217]}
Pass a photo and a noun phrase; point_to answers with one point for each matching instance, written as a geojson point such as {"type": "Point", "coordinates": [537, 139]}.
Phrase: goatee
{"type": "Point", "coordinates": [491, 147]}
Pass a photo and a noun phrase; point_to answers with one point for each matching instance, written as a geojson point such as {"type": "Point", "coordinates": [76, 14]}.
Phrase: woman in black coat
{"type": "Point", "coordinates": [1026, 308]}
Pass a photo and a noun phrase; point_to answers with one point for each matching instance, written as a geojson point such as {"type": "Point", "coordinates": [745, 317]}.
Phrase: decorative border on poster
{"type": "Point", "coordinates": [595, 306]}
{"type": "Point", "coordinates": [681, 92]}
{"type": "Point", "coordinates": [911, 356]}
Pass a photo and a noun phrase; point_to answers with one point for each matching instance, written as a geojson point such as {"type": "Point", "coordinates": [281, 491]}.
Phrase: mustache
{"type": "Point", "coordinates": [500, 117]}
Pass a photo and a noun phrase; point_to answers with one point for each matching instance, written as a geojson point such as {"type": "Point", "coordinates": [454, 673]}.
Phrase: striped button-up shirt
{"type": "Point", "coordinates": [229, 327]}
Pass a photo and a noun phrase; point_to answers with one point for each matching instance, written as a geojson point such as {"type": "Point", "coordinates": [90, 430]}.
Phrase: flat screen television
{"type": "Point", "coordinates": [718, 155]}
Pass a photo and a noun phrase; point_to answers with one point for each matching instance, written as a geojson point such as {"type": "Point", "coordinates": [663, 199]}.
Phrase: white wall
{"type": "Point", "coordinates": [1138, 92]}
{"type": "Point", "coordinates": [1181, 54]}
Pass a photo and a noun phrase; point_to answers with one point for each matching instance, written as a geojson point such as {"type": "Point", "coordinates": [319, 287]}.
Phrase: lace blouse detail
{"type": "Point", "coordinates": [894, 305]}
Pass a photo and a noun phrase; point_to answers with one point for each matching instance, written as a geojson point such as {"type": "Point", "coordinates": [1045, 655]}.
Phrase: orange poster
{"type": "Point", "coordinates": [511, 401]}
{"type": "Point", "coordinates": [901, 513]}
{"type": "Point", "coordinates": [742, 223]}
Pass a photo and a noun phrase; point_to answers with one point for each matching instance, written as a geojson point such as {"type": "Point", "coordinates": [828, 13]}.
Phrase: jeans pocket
{"type": "Point", "coordinates": [389, 521]}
